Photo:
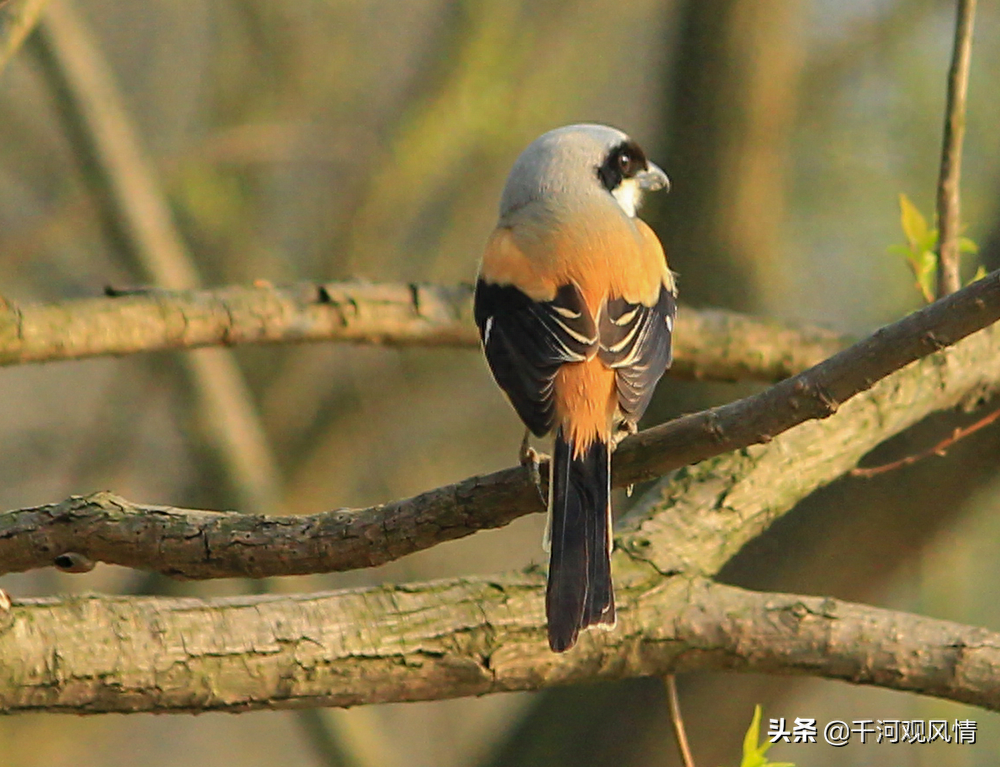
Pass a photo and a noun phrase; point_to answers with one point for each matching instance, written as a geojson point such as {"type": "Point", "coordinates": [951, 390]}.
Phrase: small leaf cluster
{"type": "Point", "coordinates": [920, 250]}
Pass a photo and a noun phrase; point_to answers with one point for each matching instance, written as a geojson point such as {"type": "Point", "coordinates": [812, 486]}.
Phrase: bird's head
{"type": "Point", "coordinates": [580, 164]}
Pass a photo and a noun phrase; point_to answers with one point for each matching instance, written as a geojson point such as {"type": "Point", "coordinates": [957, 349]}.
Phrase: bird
{"type": "Point", "coordinates": [575, 306]}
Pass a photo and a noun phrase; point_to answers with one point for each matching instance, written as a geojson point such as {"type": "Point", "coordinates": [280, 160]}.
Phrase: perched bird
{"type": "Point", "coordinates": [575, 307]}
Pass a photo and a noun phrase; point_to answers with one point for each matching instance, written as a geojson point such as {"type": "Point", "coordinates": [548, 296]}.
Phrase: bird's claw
{"type": "Point", "coordinates": [531, 459]}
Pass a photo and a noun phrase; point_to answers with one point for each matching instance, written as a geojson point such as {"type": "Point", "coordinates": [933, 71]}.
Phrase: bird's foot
{"type": "Point", "coordinates": [621, 431]}
{"type": "Point", "coordinates": [531, 459]}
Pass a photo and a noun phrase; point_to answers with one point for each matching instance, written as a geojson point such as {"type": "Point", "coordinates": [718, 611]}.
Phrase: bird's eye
{"type": "Point", "coordinates": [622, 162]}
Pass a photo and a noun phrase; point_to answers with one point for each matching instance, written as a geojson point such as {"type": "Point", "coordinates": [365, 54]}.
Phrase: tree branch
{"type": "Point", "coordinates": [478, 635]}
{"type": "Point", "coordinates": [198, 544]}
{"type": "Point", "coordinates": [454, 638]}
{"type": "Point", "coordinates": [814, 393]}
{"type": "Point", "coordinates": [948, 196]}
{"type": "Point", "coordinates": [710, 344]}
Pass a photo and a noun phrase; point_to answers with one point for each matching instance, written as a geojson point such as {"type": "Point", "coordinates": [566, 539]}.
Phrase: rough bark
{"type": "Point", "coordinates": [710, 344]}
{"type": "Point", "coordinates": [456, 638]}
{"type": "Point", "coordinates": [477, 635]}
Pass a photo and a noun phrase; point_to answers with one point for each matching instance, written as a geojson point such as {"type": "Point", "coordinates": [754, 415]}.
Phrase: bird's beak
{"type": "Point", "coordinates": [652, 179]}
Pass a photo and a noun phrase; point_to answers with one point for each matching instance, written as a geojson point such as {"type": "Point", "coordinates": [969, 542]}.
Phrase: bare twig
{"type": "Point", "coordinates": [677, 721]}
{"type": "Point", "coordinates": [948, 196]}
{"type": "Point", "coordinates": [710, 344]}
{"type": "Point", "coordinates": [17, 20]}
{"type": "Point", "coordinates": [939, 449]}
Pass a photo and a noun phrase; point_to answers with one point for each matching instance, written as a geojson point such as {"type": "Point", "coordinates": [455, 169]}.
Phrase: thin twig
{"type": "Point", "coordinates": [677, 721]}
{"type": "Point", "coordinates": [948, 197]}
{"type": "Point", "coordinates": [939, 449]}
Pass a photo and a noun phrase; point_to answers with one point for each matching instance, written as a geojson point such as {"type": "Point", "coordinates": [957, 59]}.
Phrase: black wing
{"type": "Point", "coordinates": [636, 343]}
{"type": "Point", "coordinates": [526, 341]}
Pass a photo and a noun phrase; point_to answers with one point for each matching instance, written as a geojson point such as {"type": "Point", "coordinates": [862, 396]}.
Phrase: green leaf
{"type": "Point", "coordinates": [921, 241]}
{"type": "Point", "coordinates": [751, 738]}
{"type": "Point", "coordinates": [914, 224]}
{"type": "Point", "coordinates": [965, 245]}
{"type": "Point", "coordinates": [925, 270]}
{"type": "Point", "coordinates": [920, 250]}
{"type": "Point", "coordinates": [753, 750]}
{"type": "Point", "coordinates": [899, 250]}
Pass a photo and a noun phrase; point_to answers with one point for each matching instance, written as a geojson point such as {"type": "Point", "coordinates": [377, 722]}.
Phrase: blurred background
{"type": "Point", "coordinates": [369, 139]}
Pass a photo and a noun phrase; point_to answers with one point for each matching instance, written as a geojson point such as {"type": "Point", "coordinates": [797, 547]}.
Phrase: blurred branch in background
{"type": "Point", "coordinates": [732, 106]}
{"type": "Point", "coordinates": [17, 20]}
{"type": "Point", "coordinates": [136, 209]}
{"type": "Point", "coordinates": [948, 192]}
{"type": "Point", "coordinates": [451, 120]}
{"type": "Point", "coordinates": [710, 344]}
{"type": "Point", "coordinates": [134, 206]}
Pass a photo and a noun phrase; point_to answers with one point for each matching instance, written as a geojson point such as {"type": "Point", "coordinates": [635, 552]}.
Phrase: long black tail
{"type": "Point", "coordinates": [579, 592]}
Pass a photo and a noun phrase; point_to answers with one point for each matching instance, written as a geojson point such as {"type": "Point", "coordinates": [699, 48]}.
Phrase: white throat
{"type": "Point", "coordinates": [628, 194]}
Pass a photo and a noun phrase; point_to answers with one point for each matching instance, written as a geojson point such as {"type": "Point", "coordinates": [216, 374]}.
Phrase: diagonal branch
{"type": "Point", "coordinates": [134, 204]}
{"type": "Point", "coordinates": [453, 638]}
{"type": "Point", "coordinates": [696, 536]}
{"type": "Point", "coordinates": [710, 344]}
{"type": "Point", "coordinates": [814, 393]}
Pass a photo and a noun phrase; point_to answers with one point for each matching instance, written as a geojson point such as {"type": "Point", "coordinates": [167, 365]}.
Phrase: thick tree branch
{"type": "Point", "coordinates": [456, 638]}
{"type": "Point", "coordinates": [198, 544]}
{"type": "Point", "coordinates": [479, 635]}
{"type": "Point", "coordinates": [710, 344]}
